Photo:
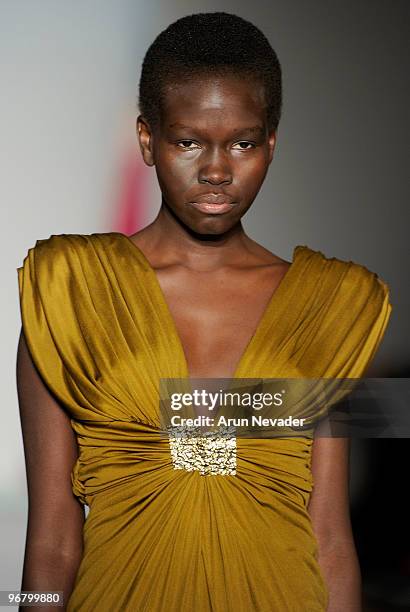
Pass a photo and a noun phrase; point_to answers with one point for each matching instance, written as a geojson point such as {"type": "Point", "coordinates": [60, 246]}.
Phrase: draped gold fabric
{"type": "Point", "coordinates": [163, 539]}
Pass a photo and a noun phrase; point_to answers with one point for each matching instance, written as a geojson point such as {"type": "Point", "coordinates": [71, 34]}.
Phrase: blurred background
{"type": "Point", "coordinates": [71, 164]}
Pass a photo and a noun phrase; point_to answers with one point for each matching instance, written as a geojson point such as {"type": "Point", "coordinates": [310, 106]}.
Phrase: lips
{"type": "Point", "coordinates": [213, 203]}
{"type": "Point", "coordinates": [214, 198]}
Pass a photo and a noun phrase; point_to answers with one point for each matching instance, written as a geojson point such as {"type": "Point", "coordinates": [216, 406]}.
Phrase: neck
{"type": "Point", "coordinates": [171, 240]}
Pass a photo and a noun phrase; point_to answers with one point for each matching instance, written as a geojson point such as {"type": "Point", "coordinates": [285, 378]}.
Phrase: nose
{"type": "Point", "coordinates": [215, 168]}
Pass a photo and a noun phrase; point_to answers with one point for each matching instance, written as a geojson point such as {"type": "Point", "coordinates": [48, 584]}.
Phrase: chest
{"type": "Point", "coordinates": [217, 317]}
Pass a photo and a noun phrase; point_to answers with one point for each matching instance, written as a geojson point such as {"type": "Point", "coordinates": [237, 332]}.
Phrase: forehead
{"type": "Point", "coordinates": [203, 101]}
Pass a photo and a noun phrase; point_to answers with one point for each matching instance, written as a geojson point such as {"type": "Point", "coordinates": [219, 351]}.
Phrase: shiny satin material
{"type": "Point", "coordinates": [160, 539]}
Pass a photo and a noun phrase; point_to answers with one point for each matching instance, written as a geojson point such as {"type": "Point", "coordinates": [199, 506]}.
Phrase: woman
{"type": "Point", "coordinates": [105, 316]}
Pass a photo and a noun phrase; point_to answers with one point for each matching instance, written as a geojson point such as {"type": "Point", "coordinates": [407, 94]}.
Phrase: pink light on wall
{"type": "Point", "coordinates": [130, 211]}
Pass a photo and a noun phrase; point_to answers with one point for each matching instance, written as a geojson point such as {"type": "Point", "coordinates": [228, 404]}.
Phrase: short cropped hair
{"type": "Point", "coordinates": [207, 44]}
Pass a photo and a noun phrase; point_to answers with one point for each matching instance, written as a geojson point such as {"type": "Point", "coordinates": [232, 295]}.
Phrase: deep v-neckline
{"type": "Point", "coordinates": [278, 294]}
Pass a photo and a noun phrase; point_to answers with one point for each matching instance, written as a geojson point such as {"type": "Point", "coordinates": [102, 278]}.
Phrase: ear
{"type": "Point", "coordinates": [272, 143]}
{"type": "Point", "coordinates": [145, 139]}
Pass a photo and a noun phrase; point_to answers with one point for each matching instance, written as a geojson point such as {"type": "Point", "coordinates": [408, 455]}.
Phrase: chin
{"type": "Point", "coordinates": [211, 227]}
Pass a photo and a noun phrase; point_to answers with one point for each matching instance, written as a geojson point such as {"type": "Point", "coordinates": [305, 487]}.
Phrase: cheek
{"type": "Point", "coordinates": [176, 169]}
{"type": "Point", "coordinates": [176, 178]}
{"type": "Point", "coordinates": [249, 173]}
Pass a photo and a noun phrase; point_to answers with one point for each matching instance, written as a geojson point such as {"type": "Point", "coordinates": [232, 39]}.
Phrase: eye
{"type": "Point", "coordinates": [248, 145]}
{"type": "Point", "coordinates": [187, 144]}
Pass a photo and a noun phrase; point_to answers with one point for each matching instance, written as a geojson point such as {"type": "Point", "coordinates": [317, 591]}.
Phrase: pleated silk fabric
{"type": "Point", "coordinates": [162, 539]}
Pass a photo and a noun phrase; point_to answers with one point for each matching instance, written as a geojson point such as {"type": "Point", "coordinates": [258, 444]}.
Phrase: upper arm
{"type": "Point", "coordinates": [55, 518]}
{"type": "Point", "coordinates": [329, 502]}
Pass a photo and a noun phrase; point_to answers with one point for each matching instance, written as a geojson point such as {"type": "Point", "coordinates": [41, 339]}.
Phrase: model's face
{"type": "Point", "coordinates": [211, 150]}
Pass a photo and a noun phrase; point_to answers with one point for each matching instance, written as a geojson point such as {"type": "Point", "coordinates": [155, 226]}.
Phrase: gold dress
{"type": "Point", "coordinates": [157, 538]}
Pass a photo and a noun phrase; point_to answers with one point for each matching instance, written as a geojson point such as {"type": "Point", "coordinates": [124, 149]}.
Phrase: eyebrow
{"type": "Point", "coordinates": [257, 129]}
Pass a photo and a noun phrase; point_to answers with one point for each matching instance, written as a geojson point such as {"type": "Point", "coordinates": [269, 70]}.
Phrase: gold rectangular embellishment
{"type": "Point", "coordinates": [210, 454]}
